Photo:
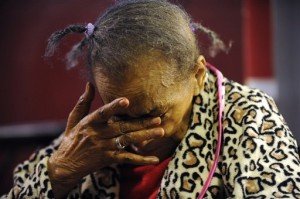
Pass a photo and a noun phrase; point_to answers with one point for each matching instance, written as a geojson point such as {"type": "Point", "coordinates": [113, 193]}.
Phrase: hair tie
{"type": "Point", "coordinates": [192, 27]}
{"type": "Point", "coordinates": [89, 29]}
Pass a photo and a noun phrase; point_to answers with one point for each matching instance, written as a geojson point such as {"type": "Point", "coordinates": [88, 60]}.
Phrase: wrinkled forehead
{"type": "Point", "coordinates": [147, 81]}
{"type": "Point", "coordinates": [144, 96]}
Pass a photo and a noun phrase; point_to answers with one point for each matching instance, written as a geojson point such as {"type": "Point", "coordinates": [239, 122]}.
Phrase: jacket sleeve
{"type": "Point", "coordinates": [265, 163]}
{"type": "Point", "coordinates": [31, 178]}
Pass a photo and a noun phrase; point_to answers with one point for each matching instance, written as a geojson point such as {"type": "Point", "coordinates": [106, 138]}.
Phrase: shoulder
{"type": "Point", "coordinates": [257, 143]}
{"type": "Point", "coordinates": [245, 105]}
{"type": "Point", "coordinates": [31, 178]}
{"type": "Point", "coordinates": [39, 157]}
{"type": "Point", "coordinates": [252, 119]}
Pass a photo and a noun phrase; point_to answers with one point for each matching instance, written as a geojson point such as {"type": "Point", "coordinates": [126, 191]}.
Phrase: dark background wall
{"type": "Point", "coordinates": [286, 20]}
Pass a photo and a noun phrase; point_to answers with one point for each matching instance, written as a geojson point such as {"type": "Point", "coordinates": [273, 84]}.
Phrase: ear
{"type": "Point", "coordinates": [199, 74]}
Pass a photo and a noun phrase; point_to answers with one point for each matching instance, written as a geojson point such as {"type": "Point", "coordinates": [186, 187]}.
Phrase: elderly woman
{"type": "Point", "coordinates": [166, 116]}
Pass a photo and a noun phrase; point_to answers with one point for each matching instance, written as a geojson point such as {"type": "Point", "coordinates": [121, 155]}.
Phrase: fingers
{"type": "Point", "coordinates": [133, 138]}
{"type": "Point", "coordinates": [121, 127]}
{"type": "Point", "coordinates": [131, 158]}
{"type": "Point", "coordinates": [108, 110]}
{"type": "Point", "coordinates": [140, 136]}
{"type": "Point", "coordinates": [113, 129]}
{"type": "Point", "coordinates": [82, 107]}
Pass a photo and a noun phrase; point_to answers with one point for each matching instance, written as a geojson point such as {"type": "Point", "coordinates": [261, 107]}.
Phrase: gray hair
{"type": "Point", "coordinates": [130, 28]}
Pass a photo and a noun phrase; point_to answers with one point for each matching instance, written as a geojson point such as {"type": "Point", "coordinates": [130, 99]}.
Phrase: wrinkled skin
{"type": "Point", "coordinates": [148, 110]}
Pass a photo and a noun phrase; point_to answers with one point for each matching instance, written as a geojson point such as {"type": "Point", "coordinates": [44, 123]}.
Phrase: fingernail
{"type": "Point", "coordinates": [87, 87]}
{"type": "Point", "coordinates": [159, 131]}
{"type": "Point", "coordinates": [155, 121]}
{"type": "Point", "coordinates": [152, 159]}
{"type": "Point", "coordinates": [123, 102]}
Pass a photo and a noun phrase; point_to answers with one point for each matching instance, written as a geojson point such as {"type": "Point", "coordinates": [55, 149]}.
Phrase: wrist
{"type": "Point", "coordinates": [62, 180]}
{"type": "Point", "coordinates": [60, 173]}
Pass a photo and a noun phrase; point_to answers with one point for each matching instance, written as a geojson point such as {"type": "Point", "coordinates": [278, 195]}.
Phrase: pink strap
{"type": "Point", "coordinates": [221, 103]}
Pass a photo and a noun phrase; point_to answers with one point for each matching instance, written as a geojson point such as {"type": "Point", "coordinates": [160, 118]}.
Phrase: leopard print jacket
{"type": "Point", "coordinates": [259, 158]}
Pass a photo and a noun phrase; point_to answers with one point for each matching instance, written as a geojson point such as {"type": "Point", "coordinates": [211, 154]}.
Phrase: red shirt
{"type": "Point", "coordinates": [141, 182]}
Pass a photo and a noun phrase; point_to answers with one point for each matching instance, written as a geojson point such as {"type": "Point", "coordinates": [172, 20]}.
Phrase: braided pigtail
{"type": "Point", "coordinates": [217, 44]}
{"type": "Point", "coordinates": [72, 56]}
{"type": "Point", "coordinates": [55, 38]}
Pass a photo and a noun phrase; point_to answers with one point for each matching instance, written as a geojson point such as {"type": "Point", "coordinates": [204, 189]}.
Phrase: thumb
{"type": "Point", "coordinates": [82, 107]}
